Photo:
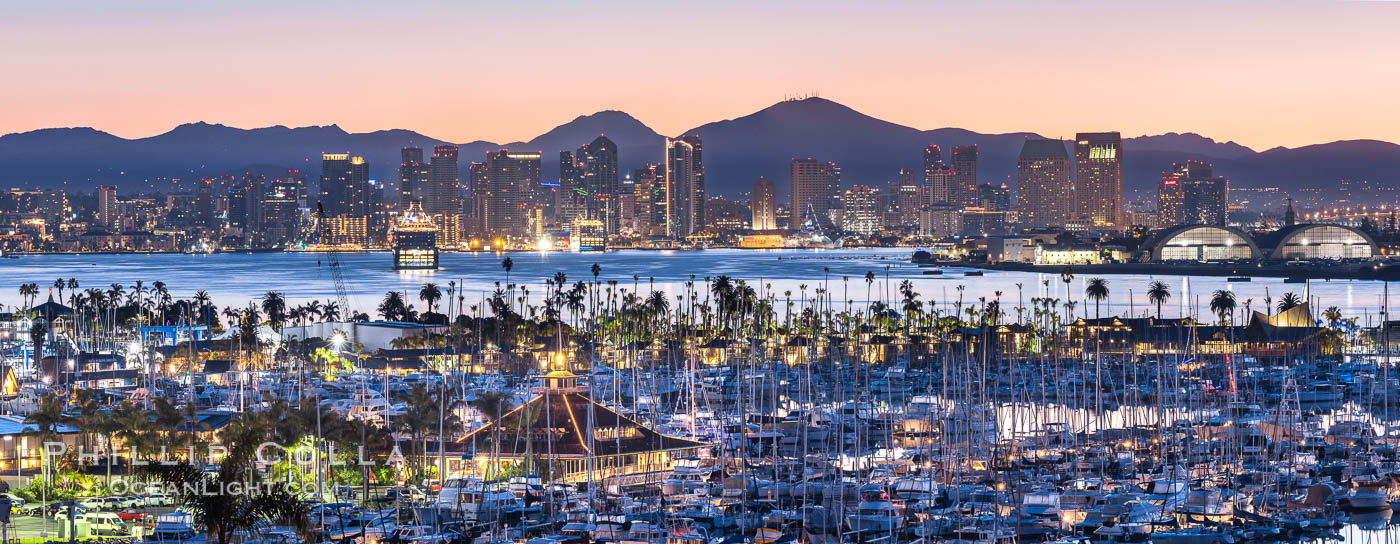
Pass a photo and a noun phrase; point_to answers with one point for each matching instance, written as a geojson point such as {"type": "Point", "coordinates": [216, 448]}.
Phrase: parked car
{"type": "Point", "coordinates": [157, 499]}
{"type": "Point", "coordinates": [60, 509]}
{"type": "Point", "coordinates": [105, 523]}
{"type": "Point", "coordinates": [131, 514]}
{"type": "Point", "coordinates": [15, 502]}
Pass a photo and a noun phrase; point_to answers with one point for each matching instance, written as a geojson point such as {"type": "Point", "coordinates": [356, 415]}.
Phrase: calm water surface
{"type": "Point", "coordinates": [232, 279]}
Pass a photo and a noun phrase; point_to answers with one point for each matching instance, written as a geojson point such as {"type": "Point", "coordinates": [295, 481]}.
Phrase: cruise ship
{"type": "Point", "coordinates": [415, 241]}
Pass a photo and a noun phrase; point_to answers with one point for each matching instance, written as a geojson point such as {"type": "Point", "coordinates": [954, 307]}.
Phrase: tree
{"type": "Point", "coordinates": [28, 291]}
{"type": "Point", "coordinates": [507, 264]}
{"type": "Point", "coordinates": [431, 294]}
{"type": "Point", "coordinates": [222, 502]}
{"type": "Point", "coordinates": [1288, 301]}
{"type": "Point", "coordinates": [392, 306]}
{"type": "Point", "coordinates": [1333, 315]}
{"type": "Point", "coordinates": [276, 309]}
{"type": "Point", "coordinates": [37, 331]}
{"type": "Point", "coordinates": [1222, 302]}
{"type": "Point", "coordinates": [1097, 291]}
{"type": "Point", "coordinates": [1157, 292]}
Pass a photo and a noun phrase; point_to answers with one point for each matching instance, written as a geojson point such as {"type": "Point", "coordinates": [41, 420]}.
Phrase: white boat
{"type": "Point", "coordinates": [474, 501]}
{"type": "Point", "coordinates": [875, 514]}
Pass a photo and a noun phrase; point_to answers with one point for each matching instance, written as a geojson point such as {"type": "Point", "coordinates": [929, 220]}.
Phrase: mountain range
{"type": "Point", "coordinates": [736, 152]}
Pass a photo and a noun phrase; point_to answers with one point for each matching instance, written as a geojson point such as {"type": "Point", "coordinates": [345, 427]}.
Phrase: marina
{"type": "Point", "coordinates": [819, 401]}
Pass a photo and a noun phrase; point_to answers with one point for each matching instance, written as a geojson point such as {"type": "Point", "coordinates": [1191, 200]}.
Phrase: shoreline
{"type": "Point", "coordinates": [1368, 271]}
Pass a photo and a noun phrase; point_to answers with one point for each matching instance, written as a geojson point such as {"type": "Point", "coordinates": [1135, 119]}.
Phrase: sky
{"type": "Point", "coordinates": [1263, 74]}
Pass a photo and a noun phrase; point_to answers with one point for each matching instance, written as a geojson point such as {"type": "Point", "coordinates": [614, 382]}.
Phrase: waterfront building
{"type": "Point", "coordinates": [441, 196]}
{"type": "Point", "coordinates": [553, 422]}
{"type": "Point", "coordinates": [685, 186]}
{"type": "Point", "coordinates": [1199, 243]}
{"type": "Point", "coordinates": [107, 207]}
{"type": "Point", "coordinates": [763, 205]}
{"type": "Point", "coordinates": [940, 220]}
{"type": "Point", "coordinates": [1045, 188]}
{"type": "Point", "coordinates": [1098, 178]}
{"type": "Point", "coordinates": [1310, 241]}
{"type": "Point", "coordinates": [512, 179]}
{"type": "Point", "coordinates": [861, 211]}
{"type": "Point", "coordinates": [814, 185]}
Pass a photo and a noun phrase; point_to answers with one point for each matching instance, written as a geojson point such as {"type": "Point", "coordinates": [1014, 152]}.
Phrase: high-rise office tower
{"type": "Point", "coordinates": [107, 207]}
{"type": "Point", "coordinates": [1191, 194]}
{"type": "Point", "coordinates": [413, 176]}
{"type": "Point", "coordinates": [649, 190]}
{"type": "Point", "coordinates": [204, 204]}
{"type": "Point", "coordinates": [908, 197]}
{"type": "Point", "coordinates": [965, 174]}
{"type": "Point", "coordinates": [943, 186]}
{"type": "Point", "coordinates": [763, 205]}
{"type": "Point", "coordinates": [476, 198]}
{"type": "Point", "coordinates": [440, 195]}
{"type": "Point", "coordinates": [599, 177]}
{"type": "Point", "coordinates": [298, 180]}
{"type": "Point", "coordinates": [933, 158]}
{"type": "Point", "coordinates": [512, 180]}
{"type": "Point", "coordinates": [862, 214]}
{"type": "Point", "coordinates": [338, 195]}
{"type": "Point", "coordinates": [280, 217]}
{"type": "Point", "coordinates": [814, 184]}
{"type": "Point", "coordinates": [571, 199]}
{"type": "Point", "coordinates": [1098, 178]}
{"type": "Point", "coordinates": [685, 186]}
{"type": "Point", "coordinates": [995, 198]}
{"type": "Point", "coordinates": [1044, 187]}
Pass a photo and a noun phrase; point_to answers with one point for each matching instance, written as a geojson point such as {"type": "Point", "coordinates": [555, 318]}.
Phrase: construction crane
{"type": "Point", "coordinates": [323, 230]}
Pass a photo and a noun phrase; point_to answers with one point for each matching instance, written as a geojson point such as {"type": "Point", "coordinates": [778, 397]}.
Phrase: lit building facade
{"type": "Point", "coordinates": [685, 186]}
{"type": "Point", "coordinates": [763, 205]}
{"type": "Point", "coordinates": [862, 211]}
{"type": "Point", "coordinates": [1098, 178]}
{"type": "Point", "coordinates": [814, 185]}
{"type": "Point", "coordinates": [1044, 185]}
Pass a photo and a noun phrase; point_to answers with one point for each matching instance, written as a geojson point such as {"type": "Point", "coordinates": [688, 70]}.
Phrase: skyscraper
{"type": "Point", "coordinates": [598, 168]}
{"type": "Point", "coordinates": [814, 184]}
{"type": "Point", "coordinates": [763, 205]}
{"type": "Point", "coordinates": [413, 176]}
{"type": "Point", "coordinates": [1044, 186]}
{"type": "Point", "coordinates": [933, 158]}
{"type": "Point", "coordinates": [107, 207]}
{"type": "Point", "coordinates": [1098, 176]}
{"type": "Point", "coordinates": [685, 186]}
{"type": "Point", "coordinates": [512, 179]}
{"type": "Point", "coordinates": [862, 215]}
{"type": "Point", "coordinates": [908, 197]}
{"type": "Point", "coordinates": [440, 195]}
{"type": "Point", "coordinates": [943, 186]}
{"type": "Point", "coordinates": [996, 198]}
{"type": "Point", "coordinates": [1191, 194]}
{"type": "Point", "coordinates": [339, 195]}
{"type": "Point", "coordinates": [204, 204]}
{"type": "Point", "coordinates": [965, 174]}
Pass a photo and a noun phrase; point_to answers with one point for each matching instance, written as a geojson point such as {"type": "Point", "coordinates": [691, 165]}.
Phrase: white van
{"type": "Point", "coordinates": [105, 523]}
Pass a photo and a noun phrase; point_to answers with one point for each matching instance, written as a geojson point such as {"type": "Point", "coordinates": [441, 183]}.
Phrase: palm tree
{"type": "Point", "coordinates": [1333, 315]}
{"type": "Point", "coordinates": [220, 501]}
{"type": "Point", "coordinates": [202, 306]}
{"type": "Point", "coordinates": [28, 291]}
{"type": "Point", "coordinates": [507, 264]}
{"type": "Point", "coordinates": [431, 294]}
{"type": "Point", "coordinates": [1096, 291]}
{"type": "Point", "coordinates": [60, 284]}
{"type": "Point", "coordinates": [47, 418]}
{"type": "Point", "coordinates": [1157, 293]}
{"type": "Point", "coordinates": [1288, 301]}
{"type": "Point", "coordinates": [331, 311]}
{"type": "Point", "coordinates": [1222, 302]}
{"type": "Point", "coordinates": [276, 309]}
{"type": "Point", "coordinates": [392, 306]}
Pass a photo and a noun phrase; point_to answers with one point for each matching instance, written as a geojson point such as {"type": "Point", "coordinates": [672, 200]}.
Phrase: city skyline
{"type": "Point", "coordinates": [247, 70]}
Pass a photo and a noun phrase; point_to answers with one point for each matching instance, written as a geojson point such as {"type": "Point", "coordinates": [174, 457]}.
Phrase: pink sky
{"type": "Point", "coordinates": [1260, 73]}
